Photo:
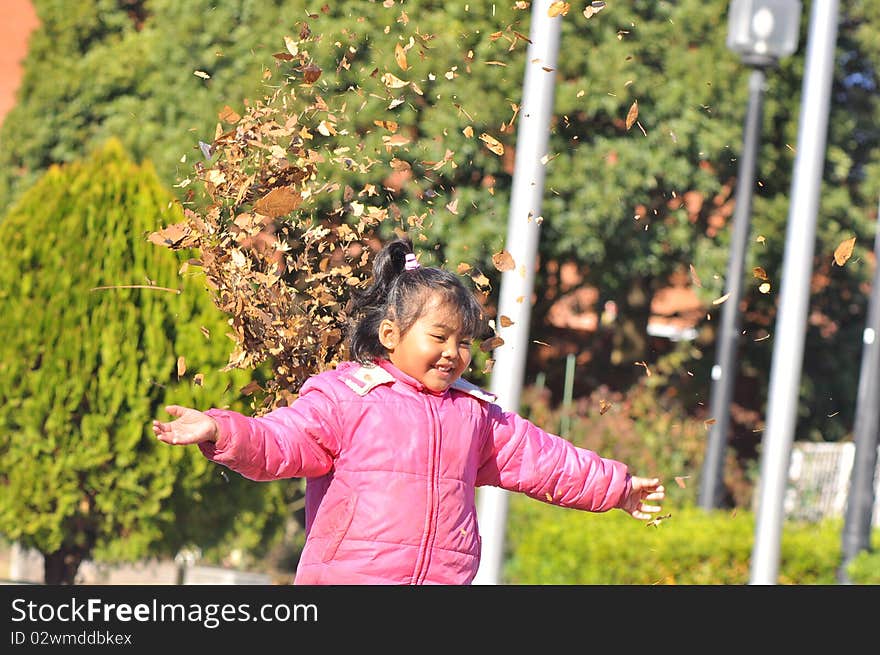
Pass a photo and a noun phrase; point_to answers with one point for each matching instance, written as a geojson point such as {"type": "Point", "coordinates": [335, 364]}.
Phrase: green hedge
{"type": "Point", "coordinates": [552, 545]}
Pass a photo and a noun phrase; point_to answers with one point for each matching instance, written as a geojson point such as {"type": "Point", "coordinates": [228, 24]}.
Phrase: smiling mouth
{"type": "Point", "coordinates": [444, 370]}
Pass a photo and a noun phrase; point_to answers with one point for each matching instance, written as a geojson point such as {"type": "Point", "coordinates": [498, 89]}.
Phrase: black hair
{"type": "Point", "coordinates": [400, 295]}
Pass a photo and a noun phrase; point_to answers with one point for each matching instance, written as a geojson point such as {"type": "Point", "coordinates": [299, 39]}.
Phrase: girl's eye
{"type": "Point", "coordinates": [466, 343]}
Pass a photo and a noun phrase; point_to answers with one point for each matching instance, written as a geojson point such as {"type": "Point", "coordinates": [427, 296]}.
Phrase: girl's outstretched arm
{"type": "Point", "coordinates": [190, 426]}
{"type": "Point", "coordinates": [643, 491]}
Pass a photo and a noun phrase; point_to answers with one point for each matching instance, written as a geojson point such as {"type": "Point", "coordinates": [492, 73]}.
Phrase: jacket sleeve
{"type": "Point", "coordinates": [519, 456]}
{"type": "Point", "coordinates": [300, 440]}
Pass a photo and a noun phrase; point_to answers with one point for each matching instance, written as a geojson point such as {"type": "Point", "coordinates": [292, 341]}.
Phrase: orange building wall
{"type": "Point", "coordinates": [18, 21]}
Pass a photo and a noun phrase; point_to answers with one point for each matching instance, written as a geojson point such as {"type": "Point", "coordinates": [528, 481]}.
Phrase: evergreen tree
{"type": "Point", "coordinates": [99, 333]}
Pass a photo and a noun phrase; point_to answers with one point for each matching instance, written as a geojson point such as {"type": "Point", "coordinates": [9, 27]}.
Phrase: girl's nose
{"type": "Point", "coordinates": [450, 350]}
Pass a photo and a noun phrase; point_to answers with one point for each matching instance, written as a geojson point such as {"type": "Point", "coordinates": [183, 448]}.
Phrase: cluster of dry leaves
{"type": "Point", "coordinates": [279, 255]}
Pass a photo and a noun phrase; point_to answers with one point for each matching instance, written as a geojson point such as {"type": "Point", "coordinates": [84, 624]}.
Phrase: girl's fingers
{"type": "Point", "coordinates": [174, 410]}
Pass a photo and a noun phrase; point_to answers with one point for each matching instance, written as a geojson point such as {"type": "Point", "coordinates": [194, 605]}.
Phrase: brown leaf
{"type": "Point", "coordinates": [593, 8]}
{"type": "Point", "coordinates": [844, 251]}
{"type": "Point", "coordinates": [658, 520]}
{"type": "Point", "coordinates": [760, 273]}
{"type": "Point", "coordinates": [181, 366]}
{"type": "Point", "coordinates": [250, 388]}
{"type": "Point", "coordinates": [311, 73]}
{"type": "Point", "coordinates": [558, 8]}
{"type": "Point", "coordinates": [504, 321]}
{"type": "Point", "coordinates": [492, 143]}
{"type": "Point", "coordinates": [480, 280]}
{"type": "Point", "coordinates": [400, 57]}
{"type": "Point", "coordinates": [679, 480]}
{"type": "Point", "coordinates": [391, 126]}
{"type": "Point", "coordinates": [278, 202]}
{"type": "Point", "coordinates": [503, 261]}
{"type": "Point", "coordinates": [632, 115]}
{"type": "Point", "coordinates": [171, 236]}
{"type": "Point", "coordinates": [229, 115]}
{"type": "Point", "coordinates": [604, 405]}
{"type": "Point", "coordinates": [488, 345]}
{"type": "Point", "coordinates": [392, 81]}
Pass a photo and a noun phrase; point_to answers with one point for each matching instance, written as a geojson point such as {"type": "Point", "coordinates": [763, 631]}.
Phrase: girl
{"type": "Point", "coordinates": [393, 443]}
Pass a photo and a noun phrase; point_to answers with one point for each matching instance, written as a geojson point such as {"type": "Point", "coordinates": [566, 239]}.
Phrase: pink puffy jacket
{"type": "Point", "coordinates": [392, 468]}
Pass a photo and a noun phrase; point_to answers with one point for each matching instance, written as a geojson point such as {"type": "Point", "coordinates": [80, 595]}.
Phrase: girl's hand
{"type": "Point", "coordinates": [190, 426]}
{"type": "Point", "coordinates": [643, 489]}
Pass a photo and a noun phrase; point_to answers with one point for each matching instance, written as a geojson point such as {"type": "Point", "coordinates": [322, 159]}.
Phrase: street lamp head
{"type": "Point", "coordinates": [763, 31]}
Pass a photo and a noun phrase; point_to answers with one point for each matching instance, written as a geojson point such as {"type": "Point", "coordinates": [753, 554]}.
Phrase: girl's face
{"type": "Point", "coordinates": [433, 350]}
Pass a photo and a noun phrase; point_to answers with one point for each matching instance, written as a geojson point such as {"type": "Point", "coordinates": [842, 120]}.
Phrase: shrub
{"type": "Point", "coordinates": [551, 545]}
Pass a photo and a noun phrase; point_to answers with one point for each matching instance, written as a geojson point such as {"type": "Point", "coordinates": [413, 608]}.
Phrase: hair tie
{"type": "Point", "coordinates": [411, 262]}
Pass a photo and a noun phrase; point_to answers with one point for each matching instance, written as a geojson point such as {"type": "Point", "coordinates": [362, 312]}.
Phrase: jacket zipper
{"type": "Point", "coordinates": [430, 533]}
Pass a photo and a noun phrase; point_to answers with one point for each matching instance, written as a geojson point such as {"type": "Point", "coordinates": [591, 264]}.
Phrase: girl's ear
{"type": "Point", "coordinates": [389, 335]}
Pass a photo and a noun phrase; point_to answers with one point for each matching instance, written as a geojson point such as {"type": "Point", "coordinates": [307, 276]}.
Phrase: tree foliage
{"type": "Point", "coordinates": [99, 334]}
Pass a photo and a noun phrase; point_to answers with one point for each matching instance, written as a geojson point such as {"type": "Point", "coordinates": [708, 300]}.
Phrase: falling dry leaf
{"type": "Point", "coordinates": [679, 480]}
{"type": "Point", "coordinates": [490, 344]}
{"type": "Point", "coordinates": [229, 115]}
{"type": "Point", "coordinates": [720, 300]}
{"type": "Point", "coordinates": [760, 273]}
{"type": "Point", "coordinates": [492, 143]}
{"type": "Point", "coordinates": [292, 45]}
{"type": "Point", "coordinates": [199, 379]}
{"type": "Point", "coordinates": [181, 366]}
{"type": "Point", "coordinates": [250, 388]}
{"type": "Point", "coordinates": [764, 287]}
{"type": "Point", "coordinates": [593, 8]}
{"type": "Point", "coordinates": [311, 73]}
{"type": "Point", "coordinates": [505, 321]}
{"type": "Point", "coordinates": [202, 74]}
{"type": "Point", "coordinates": [658, 520]}
{"type": "Point", "coordinates": [280, 201]}
{"type": "Point", "coordinates": [400, 57]}
{"type": "Point", "coordinates": [392, 81]}
{"type": "Point", "coordinates": [503, 261]}
{"type": "Point", "coordinates": [391, 126]}
{"type": "Point", "coordinates": [604, 406]}
{"type": "Point", "coordinates": [172, 236]}
{"type": "Point", "coordinates": [844, 251]}
{"type": "Point", "coordinates": [632, 114]}
{"type": "Point", "coordinates": [558, 8]}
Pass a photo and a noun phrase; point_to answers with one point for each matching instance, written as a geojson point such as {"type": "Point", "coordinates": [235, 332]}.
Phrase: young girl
{"type": "Point", "coordinates": [393, 443]}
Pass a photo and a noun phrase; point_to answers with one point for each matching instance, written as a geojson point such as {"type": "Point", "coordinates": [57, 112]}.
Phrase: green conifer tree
{"type": "Point", "coordinates": [99, 333]}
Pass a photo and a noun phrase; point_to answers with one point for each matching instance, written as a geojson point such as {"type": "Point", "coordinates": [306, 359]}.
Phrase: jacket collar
{"type": "Point", "coordinates": [363, 378]}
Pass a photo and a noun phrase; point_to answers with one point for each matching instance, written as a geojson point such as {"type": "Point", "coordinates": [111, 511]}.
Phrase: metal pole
{"type": "Point", "coordinates": [794, 295]}
{"type": "Point", "coordinates": [724, 371]}
{"type": "Point", "coordinates": [515, 296]}
{"type": "Point", "coordinates": [860, 501]}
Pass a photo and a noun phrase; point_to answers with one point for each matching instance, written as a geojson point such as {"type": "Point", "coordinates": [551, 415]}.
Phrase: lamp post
{"type": "Point", "coordinates": [761, 32]}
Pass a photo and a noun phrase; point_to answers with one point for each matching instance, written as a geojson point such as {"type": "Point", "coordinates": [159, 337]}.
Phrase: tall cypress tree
{"type": "Point", "coordinates": [99, 332]}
